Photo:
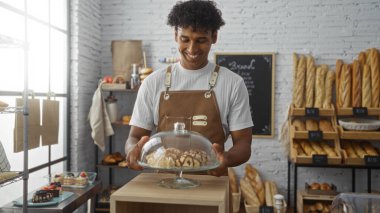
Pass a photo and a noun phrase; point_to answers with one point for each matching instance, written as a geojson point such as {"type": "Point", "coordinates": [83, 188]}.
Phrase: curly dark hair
{"type": "Point", "coordinates": [198, 14]}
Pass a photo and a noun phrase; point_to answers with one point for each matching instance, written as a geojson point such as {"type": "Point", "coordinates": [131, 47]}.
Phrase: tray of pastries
{"type": "Point", "coordinates": [321, 189]}
{"type": "Point", "coordinates": [302, 151]}
{"type": "Point", "coordinates": [74, 179]}
{"type": "Point", "coordinates": [178, 150]}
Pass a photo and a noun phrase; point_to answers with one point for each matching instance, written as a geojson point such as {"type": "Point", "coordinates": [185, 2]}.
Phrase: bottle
{"type": "Point", "coordinates": [135, 79]}
{"type": "Point", "coordinates": [279, 203]}
{"type": "Point", "coordinates": [111, 106]}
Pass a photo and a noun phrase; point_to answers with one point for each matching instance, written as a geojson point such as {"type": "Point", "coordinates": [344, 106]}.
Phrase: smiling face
{"type": "Point", "coordinates": [194, 46]}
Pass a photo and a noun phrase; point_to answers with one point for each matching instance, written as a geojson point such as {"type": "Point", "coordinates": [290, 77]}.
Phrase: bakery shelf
{"type": "Point", "coordinates": [305, 134]}
{"type": "Point", "coordinates": [349, 111]}
{"type": "Point", "coordinates": [301, 111]}
{"type": "Point", "coordinates": [106, 87]}
{"type": "Point", "coordinates": [10, 110]}
{"type": "Point", "coordinates": [9, 177]}
{"type": "Point", "coordinates": [304, 200]}
{"type": "Point", "coordinates": [309, 159]}
{"type": "Point", "coordinates": [111, 166]}
{"type": "Point", "coordinates": [358, 135]}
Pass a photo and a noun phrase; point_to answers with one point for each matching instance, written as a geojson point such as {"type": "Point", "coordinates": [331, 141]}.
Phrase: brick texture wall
{"type": "Point", "coordinates": [327, 29]}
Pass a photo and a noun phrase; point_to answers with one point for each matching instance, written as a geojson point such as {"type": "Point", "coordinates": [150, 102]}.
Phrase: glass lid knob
{"type": "Point", "coordinates": [179, 126]}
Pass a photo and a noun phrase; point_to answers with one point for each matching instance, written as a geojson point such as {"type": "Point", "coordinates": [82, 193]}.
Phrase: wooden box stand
{"type": "Point", "coordinates": [143, 195]}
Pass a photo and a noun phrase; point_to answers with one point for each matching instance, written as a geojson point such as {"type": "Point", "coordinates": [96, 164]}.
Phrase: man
{"type": "Point", "coordinates": [201, 88]}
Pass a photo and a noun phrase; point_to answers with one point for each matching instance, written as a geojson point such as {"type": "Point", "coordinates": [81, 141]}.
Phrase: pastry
{"type": "Point", "coordinates": [119, 79]}
{"type": "Point", "coordinates": [109, 159]}
{"type": "Point", "coordinates": [82, 179]}
{"type": "Point", "coordinates": [346, 78]}
{"type": "Point", "coordinates": [300, 83]}
{"type": "Point", "coordinates": [248, 193]}
{"type": "Point", "coordinates": [299, 125]}
{"type": "Point", "coordinates": [366, 87]}
{"type": "Point", "coordinates": [325, 126]}
{"type": "Point", "coordinates": [255, 180]}
{"type": "Point", "coordinates": [123, 163]}
{"type": "Point", "coordinates": [171, 157]}
{"type": "Point", "coordinates": [68, 179]}
{"type": "Point", "coordinates": [146, 71]}
{"type": "Point", "coordinates": [318, 206]}
{"type": "Point", "coordinates": [315, 186]}
{"type": "Point", "coordinates": [356, 84]}
{"type": "Point", "coordinates": [54, 187]}
{"type": "Point", "coordinates": [326, 209]}
{"type": "Point", "coordinates": [310, 81]}
{"type": "Point", "coordinates": [330, 78]}
{"type": "Point", "coordinates": [58, 178]}
{"type": "Point", "coordinates": [42, 196]}
{"type": "Point", "coordinates": [311, 125]}
{"type": "Point", "coordinates": [338, 71]}
{"type": "Point", "coordinates": [375, 77]}
{"type": "Point", "coordinates": [325, 187]}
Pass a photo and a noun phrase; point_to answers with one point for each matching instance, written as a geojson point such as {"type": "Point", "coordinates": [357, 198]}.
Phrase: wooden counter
{"type": "Point", "coordinates": [143, 195]}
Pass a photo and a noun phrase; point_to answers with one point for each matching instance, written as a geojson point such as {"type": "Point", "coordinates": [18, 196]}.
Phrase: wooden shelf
{"type": "Point", "coordinates": [301, 111]}
{"type": "Point", "coordinates": [349, 111]}
{"type": "Point", "coordinates": [117, 88]}
{"type": "Point", "coordinates": [358, 135]}
{"type": "Point", "coordinates": [111, 166]}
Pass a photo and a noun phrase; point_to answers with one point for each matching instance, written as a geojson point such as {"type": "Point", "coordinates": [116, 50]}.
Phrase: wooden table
{"type": "Point", "coordinates": [143, 195]}
{"type": "Point", "coordinates": [69, 205]}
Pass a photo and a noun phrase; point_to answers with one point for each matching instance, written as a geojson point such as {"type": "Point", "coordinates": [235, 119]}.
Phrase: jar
{"type": "Point", "coordinates": [135, 78]}
{"type": "Point", "coordinates": [111, 106]}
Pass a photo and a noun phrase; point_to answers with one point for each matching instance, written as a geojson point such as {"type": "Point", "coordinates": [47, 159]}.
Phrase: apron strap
{"type": "Point", "coordinates": [212, 82]}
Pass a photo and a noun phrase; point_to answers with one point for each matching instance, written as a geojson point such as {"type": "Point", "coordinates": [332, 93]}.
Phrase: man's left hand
{"type": "Point", "coordinates": [221, 157]}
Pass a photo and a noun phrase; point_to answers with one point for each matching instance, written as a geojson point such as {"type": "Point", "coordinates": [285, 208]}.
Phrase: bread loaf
{"type": "Point", "coordinates": [330, 78]}
{"type": "Point", "coordinates": [359, 150]}
{"type": "Point", "coordinates": [256, 182]}
{"type": "Point", "coordinates": [233, 180]}
{"type": "Point", "coordinates": [325, 126]}
{"type": "Point", "coordinates": [300, 152]}
{"type": "Point", "coordinates": [317, 148]}
{"type": "Point", "coordinates": [375, 78]}
{"type": "Point", "coordinates": [299, 125]}
{"type": "Point", "coordinates": [270, 191]}
{"type": "Point", "coordinates": [295, 61]}
{"type": "Point", "coordinates": [307, 148]}
{"type": "Point", "coordinates": [328, 149]}
{"type": "Point", "coordinates": [366, 87]}
{"type": "Point", "coordinates": [300, 83]}
{"type": "Point", "coordinates": [369, 149]}
{"type": "Point", "coordinates": [338, 71]}
{"type": "Point", "coordinates": [356, 84]}
{"type": "Point", "coordinates": [310, 81]}
{"type": "Point", "coordinates": [362, 58]}
{"type": "Point", "coordinates": [347, 146]}
{"type": "Point", "coordinates": [319, 87]}
{"type": "Point", "coordinates": [311, 125]}
{"type": "Point", "coordinates": [248, 193]}
{"type": "Point", "coordinates": [346, 86]}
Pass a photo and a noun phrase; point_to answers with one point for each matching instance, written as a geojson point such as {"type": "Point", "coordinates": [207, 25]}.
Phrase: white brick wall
{"type": "Point", "coordinates": [85, 71]}
{"type": "Point", "coordinates": [328, 29]}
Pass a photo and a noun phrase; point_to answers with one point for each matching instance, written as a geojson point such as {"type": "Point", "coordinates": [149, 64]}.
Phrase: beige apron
{"type": "Point", "coordinates": [197, 109]}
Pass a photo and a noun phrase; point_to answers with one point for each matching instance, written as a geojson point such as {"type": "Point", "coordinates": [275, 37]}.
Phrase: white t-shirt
{"type": "Point", "coordinates": [230, 90]}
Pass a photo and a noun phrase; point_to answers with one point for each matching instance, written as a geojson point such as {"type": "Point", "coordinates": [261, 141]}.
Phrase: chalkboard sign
{"type": "Point", "coordinates": [257, 70]}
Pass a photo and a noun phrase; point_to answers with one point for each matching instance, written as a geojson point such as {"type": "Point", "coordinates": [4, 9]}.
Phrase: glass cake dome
{"type": "Point", "coordinates": [180, 151]}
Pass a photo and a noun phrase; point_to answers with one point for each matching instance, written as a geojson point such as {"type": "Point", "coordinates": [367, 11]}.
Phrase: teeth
{"type": "Point", "coordinates": [193, 56]}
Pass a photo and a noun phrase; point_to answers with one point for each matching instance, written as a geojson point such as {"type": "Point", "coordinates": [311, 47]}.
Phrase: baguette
{"type": "Point", "coordinates": [270, 191]}
{"type": "Point", "coordinates": [369, 149]}
{"type": "Point", "coordinates": [330, 78]}
{"type": "Point", "coordinates": [319, 87]}
{"type": "Point", "coordinates": [300, 80]}
{"type": "Point", "coordinates": [325, 126]}
{"type": "Point", "coordinates": [347, 146]}
{"type": "Point", "coordinates": [375, 77]}
{"type": "Point", "coordinates": [366, 87]}
{"type": "Point", "coordinates": [338, 71]}
{"type": "Point", "coordinates": [356, 84]}
{"type": "Point", "coordinates": [233, 180]}
{"type": "Point", "coordinates": [310, 81]}
{"type": "Point", "coordinates": [311, 125]}
{"type": "Point", "coordinates": [256, 182]}
{"type": "Point", "coordinates": [248, 193]}
{"type": "Point", "coordinates": [346, 86]}
{"type": "Point", "coordinates": [359, 150]}
{"type": "Point", "coordinates": [307, 148]}
{"type": "Point", "coordinates": [362, 58]}
{"type": "Point", "coordinates": [329, 150]}
{"type": "Point", "coordinates": [317, 148]}
{"type": "Point", "coordinates": [295, 61]}
{"type": "Point", "coordinates": [299, 125]}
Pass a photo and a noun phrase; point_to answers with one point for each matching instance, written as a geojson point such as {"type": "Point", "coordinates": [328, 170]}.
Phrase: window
{"type": "Point", "coordinates": [33, 40]}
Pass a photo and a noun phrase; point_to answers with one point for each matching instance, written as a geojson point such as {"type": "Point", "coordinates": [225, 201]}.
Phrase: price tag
{"type": "Point", "coordinates": [372, 161]}
{"type": "Point", "coordinates": [266, 209]}
{"type": "Point", "coordinates": [320, 160]}
{"type": "Point", "coordinates": [311, 112]}
{"type": "Point", "coordinates": [360, 111]}
{"type": "Point", "coordinates": [315, 135]}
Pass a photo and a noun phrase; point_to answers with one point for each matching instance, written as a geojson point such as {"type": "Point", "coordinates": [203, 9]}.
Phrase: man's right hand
{"type": "Point", "coordinates": [134, 154]}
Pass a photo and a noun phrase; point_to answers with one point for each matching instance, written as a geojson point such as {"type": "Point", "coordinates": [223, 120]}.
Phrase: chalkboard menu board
{"type": "Point", "coordinates": [257, 70]}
